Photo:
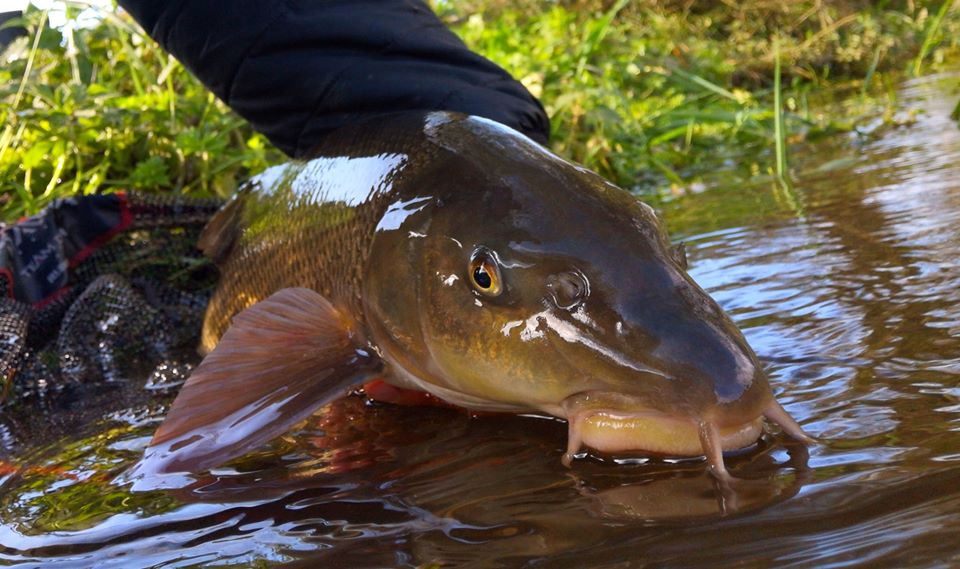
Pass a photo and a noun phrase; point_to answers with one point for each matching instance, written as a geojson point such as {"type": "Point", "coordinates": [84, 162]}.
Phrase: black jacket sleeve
{"type": "Point", "coordinates": [8, 34]}
{"type": "Point", "coordinates": [297, 69]}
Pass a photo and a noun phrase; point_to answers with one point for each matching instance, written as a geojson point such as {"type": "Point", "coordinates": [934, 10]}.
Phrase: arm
{"type": "Point", "coordinates": [297, 69]}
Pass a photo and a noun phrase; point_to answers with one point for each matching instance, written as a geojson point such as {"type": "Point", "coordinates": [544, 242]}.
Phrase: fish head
{"type": "Point", "coordinates": [533, 284]}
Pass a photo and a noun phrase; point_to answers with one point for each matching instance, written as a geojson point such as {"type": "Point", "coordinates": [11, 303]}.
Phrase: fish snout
{"type": "Point", "coordinates": [670, 324]}
{"type": "Point", "coordinates": [709, 395]}
{"type": "Point", "coordinates": [712, 360]}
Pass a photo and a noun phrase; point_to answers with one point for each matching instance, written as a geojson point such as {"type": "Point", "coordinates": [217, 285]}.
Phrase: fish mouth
{"type": "Point", "coordinates": [645, 430]}
{"type": "Point", "coordinates": [613, 432]}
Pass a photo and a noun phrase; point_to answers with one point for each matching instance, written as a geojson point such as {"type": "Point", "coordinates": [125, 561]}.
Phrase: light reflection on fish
{"type": "Point", "coordinates": [452, 255]}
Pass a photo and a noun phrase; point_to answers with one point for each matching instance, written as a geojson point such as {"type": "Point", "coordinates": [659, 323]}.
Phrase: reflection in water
{"type": "Point", "coordinates": [853, 305]}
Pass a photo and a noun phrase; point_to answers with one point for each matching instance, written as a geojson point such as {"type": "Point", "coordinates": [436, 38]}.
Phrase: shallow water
{"type": "Point", "coordinates": [846, 286]}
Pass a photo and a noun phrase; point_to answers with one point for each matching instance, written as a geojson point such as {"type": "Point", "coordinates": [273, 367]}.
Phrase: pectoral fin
{"type": "Point", "coordinates": [279, 361]}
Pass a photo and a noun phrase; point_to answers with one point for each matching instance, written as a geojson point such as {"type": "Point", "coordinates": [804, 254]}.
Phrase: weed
{"type": "Point", "coordinates": [655, 94]}
{"type": "Point", "coordinates": [930, 35]}
{"type": "Point", "coordinates": [91, 109]}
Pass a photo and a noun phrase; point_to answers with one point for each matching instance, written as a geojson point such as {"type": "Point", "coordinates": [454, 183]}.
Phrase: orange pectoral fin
{"type": "Point", "coordinates": [382, 392]}
{"type": "Point", "coordinates": [279, 361]}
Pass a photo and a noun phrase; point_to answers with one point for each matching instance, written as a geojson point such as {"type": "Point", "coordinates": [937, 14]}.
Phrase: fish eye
{"type": "Point", "coordinates": [485, 273]}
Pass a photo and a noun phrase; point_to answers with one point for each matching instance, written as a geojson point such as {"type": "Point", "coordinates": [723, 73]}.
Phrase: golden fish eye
{"type": "Point", "coordinates": [485, 273]}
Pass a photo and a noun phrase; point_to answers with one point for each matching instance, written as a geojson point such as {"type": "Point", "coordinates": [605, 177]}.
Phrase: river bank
{"type": "Point", "coordinates": [655, 95]}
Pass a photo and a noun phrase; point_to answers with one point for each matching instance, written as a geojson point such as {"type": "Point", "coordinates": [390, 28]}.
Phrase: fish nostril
{"type": "Point", "coordinates": [568, 289]}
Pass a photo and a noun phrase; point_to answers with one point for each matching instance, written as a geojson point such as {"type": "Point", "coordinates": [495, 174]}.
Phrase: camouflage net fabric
{"type": "Point", "coordinates": [102, 289]}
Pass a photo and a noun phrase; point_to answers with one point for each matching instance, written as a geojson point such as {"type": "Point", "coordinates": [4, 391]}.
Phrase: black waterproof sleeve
{"type": "Point", "coordinates": [297, 69]}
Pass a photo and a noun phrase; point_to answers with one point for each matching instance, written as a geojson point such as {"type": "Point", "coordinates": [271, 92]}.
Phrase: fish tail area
{"type": "Point", "coordinates": [279, 361]}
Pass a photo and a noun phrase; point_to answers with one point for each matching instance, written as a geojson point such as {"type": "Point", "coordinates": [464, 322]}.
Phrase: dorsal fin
{"type": "Point", "coordinates": [279, 361]}
{"type": "Point", "coordinates": [221, 232]}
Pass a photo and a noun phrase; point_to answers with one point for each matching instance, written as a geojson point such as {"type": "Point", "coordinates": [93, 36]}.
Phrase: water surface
{"type": "Point", "coordinates": [847, 286]}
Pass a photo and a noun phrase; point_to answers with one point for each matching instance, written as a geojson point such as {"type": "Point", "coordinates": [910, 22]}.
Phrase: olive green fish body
{"type": "Point", "coordinates": [455, 256]}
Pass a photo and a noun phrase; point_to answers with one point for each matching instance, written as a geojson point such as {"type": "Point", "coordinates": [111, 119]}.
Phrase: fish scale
{"type": "Point", "coordinates": [317, 239]}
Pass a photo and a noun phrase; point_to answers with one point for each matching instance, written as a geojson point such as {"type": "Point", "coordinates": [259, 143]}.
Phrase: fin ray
{"type": "Point", "coordinates": [222, 231]}
{"type": "Point", "coordinates": [279, 361]}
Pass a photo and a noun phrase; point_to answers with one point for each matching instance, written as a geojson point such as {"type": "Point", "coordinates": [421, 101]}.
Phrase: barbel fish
{"type": "Point", "coordinates": [452, 255]}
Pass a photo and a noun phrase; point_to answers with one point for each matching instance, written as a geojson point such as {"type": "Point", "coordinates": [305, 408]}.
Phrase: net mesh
{"type": "Point", "coordinates": [131, 308]}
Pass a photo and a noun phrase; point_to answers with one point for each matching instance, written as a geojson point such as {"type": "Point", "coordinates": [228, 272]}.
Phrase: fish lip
{"type": "Point", "coordinates": [630, 425]}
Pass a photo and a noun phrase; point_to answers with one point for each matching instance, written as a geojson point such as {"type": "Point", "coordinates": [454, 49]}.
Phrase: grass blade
{"type": "Point", "coordinates": [702, 82]}
{"type": "Point", "coordinates": [929, 36]}
{"type": "Point", "coordinates": [30, 60]}
{"type": "Point", "coordinates": [779, 128]}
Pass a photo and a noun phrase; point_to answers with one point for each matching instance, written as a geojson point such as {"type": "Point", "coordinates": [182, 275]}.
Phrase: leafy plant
{"type": "Point", "coordinates": [930, 35]}
{"type": "Point", "coordinates": [657, 95]}
{"type": "Point", "coordinates": [102, 107]}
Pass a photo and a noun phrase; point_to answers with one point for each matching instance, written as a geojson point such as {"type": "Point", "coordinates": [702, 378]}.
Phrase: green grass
{"type": "Point", "coordinates": [930, 35]}
{"type": "Point", "coordinates": [657, 95]}
{"type": "Point", "coordinates": [98, 109]}
{"type": "Point", "coordinates": [672, 92]}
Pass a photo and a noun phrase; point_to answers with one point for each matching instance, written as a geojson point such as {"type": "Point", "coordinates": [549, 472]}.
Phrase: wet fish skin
{"type": "Point", "coordinates": [595, 321]}
{"type": "Point", "coordinates": [544, 216]}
